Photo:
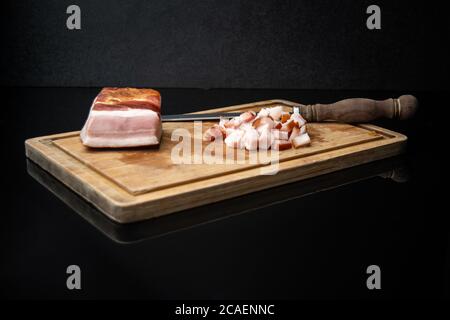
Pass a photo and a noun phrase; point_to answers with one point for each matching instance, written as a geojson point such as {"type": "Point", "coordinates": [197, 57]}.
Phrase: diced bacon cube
{"type": "Point", "coordinates": [247, 116]}
{"type": "Point", "coordinates": [285, 117]}
{"type": "Point", "coordinates": [280, 135]}
{"type": "Point", "coordinates": [281, 145]}
{"type": "Point", "coordinates": [301, 140]}
{"type": "Point", "coordinates": [275, 112]}
{"type": "Point", "coordinates": [213, 133]}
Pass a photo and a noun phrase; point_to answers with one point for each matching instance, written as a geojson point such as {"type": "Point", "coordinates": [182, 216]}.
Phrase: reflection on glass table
{"type": "Point", "coordinates": [392, 168]}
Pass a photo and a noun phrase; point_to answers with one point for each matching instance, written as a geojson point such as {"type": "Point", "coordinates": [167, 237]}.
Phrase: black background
{"type": "Point", "coordinates": [314, 247]}
{"type": "Point", "coordinates": [222, 44]}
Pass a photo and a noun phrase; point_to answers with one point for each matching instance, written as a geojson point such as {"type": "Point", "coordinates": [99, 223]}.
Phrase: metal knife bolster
{"type": "Point", "coordinates": [198, 116]}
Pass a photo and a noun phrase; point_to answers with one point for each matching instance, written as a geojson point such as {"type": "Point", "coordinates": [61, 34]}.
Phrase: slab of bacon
{"type": "Point", "coordinates": [271, 128]}
{"type": "Point", "coordinates": [123, 117]}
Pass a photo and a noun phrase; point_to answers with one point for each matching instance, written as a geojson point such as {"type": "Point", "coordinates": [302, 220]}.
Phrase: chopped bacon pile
{"type": "Point", "coordinates": [271, 128]}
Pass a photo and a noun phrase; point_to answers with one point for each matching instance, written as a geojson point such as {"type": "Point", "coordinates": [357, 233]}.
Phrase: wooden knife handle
{"type": "Point", "coordinates": [361, 110]}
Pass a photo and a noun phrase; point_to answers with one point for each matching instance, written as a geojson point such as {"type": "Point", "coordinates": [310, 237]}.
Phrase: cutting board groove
{"type": "Point", "coordinates": [135, 184]}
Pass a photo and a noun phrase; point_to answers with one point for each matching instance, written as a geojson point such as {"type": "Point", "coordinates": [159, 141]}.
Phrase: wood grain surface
{"type": "Point", "coordinates": [135, 184]}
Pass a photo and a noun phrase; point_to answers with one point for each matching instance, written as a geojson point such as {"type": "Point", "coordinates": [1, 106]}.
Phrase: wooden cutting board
{"type": "Point", "coordinates": [135, 184]}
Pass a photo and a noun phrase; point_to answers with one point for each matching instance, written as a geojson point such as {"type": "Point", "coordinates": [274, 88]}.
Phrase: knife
{"type": "Point", "coordinates": [354, 110]}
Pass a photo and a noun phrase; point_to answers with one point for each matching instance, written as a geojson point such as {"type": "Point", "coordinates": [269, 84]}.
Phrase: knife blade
{"type": "Point", "coordinates": [198, 116]}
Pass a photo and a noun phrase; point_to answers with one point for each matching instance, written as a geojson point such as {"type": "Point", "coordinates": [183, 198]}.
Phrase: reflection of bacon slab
{"type": "Point", "coordinates": [123, 117]}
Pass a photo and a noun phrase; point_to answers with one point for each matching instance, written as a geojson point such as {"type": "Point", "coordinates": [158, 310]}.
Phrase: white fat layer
{"type": "Point", "coordinates": [130, 141]}
{"type": "Point", "coordinates": [301, 140]}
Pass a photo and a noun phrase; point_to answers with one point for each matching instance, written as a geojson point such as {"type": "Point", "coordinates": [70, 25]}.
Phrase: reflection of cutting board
{"type": "Point", "coordinates": [136, 184]}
